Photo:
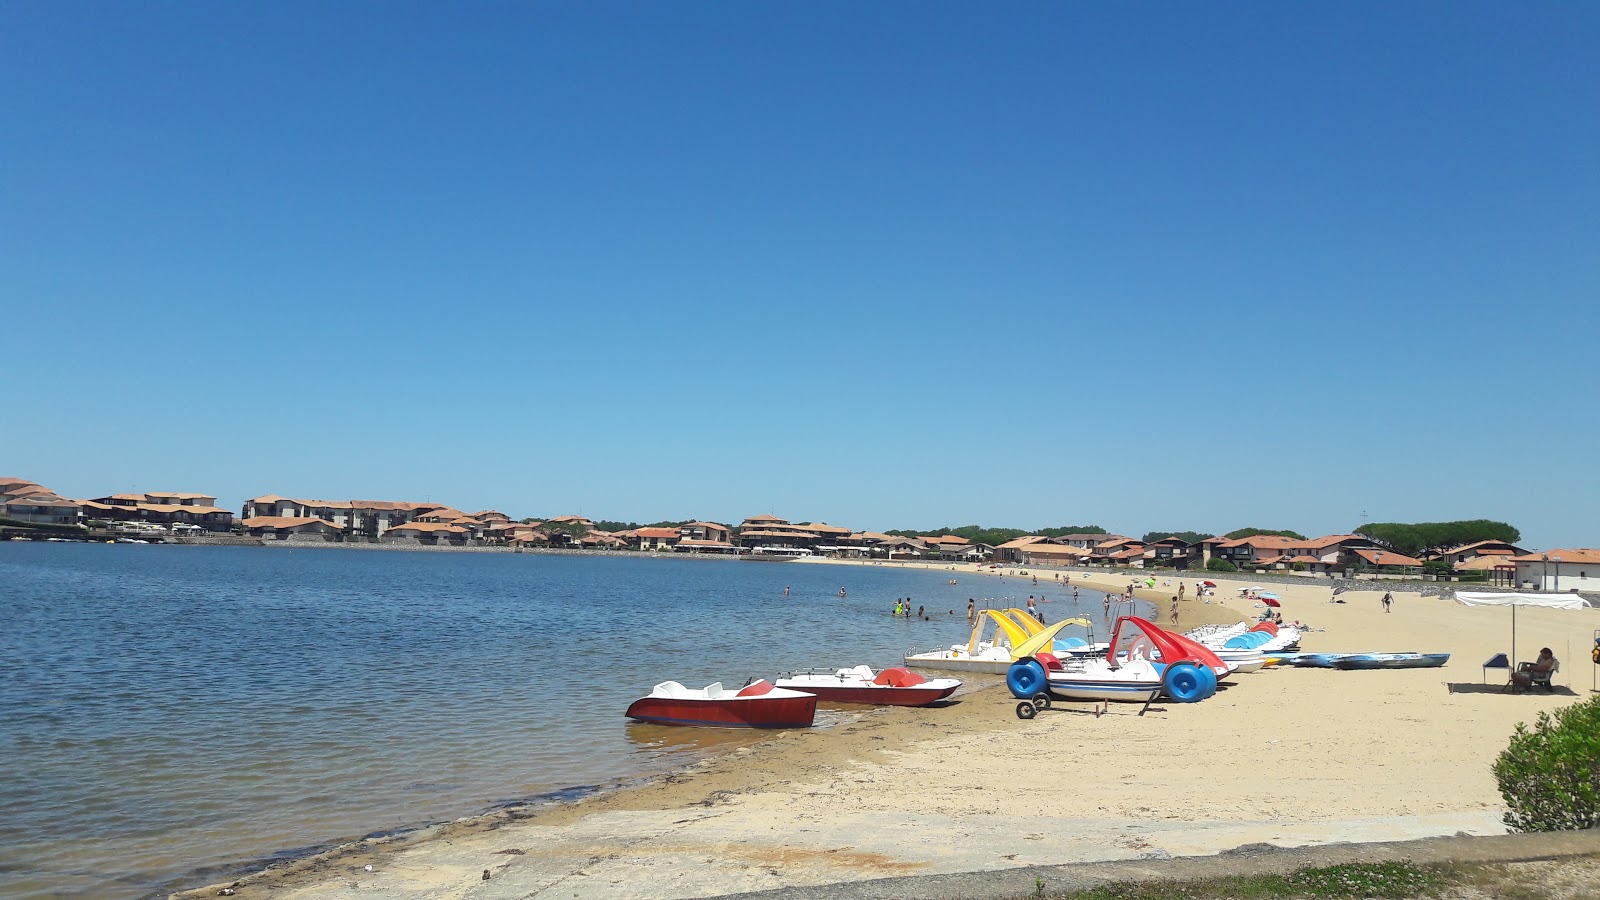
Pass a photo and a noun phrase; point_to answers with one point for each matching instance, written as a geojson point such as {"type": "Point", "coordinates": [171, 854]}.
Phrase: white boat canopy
{"type": "Point", "coordinates": [1554, 601]}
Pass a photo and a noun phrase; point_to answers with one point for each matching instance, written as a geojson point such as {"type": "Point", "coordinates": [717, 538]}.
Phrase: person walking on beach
{"type": "Point", "coordinates": [1174, 610]}
{"type": "Point", "coordinates": [1388, 599]}
{"type": "Point", "coordinates": [1181, 586]}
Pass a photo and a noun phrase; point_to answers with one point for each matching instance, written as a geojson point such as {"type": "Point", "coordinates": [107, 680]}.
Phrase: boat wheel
{"type": "Point", "coordinates": [1041, 701]}
{"type": "Point", "coordinates": [1026, 710]}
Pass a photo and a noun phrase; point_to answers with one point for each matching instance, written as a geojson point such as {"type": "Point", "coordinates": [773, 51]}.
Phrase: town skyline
{"type": "Point", "coordinates": [878, 523]}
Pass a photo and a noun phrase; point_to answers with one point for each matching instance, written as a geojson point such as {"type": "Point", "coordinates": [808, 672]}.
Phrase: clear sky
{"type": "Point", "coordinates": [1151, 266]}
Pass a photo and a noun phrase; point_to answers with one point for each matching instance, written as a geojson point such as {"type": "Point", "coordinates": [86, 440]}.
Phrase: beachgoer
{"type": "Point", "coordinates": [841, 592]}
{"type": "Point", "coordinates": [1032, 610]}
{"type": "Point", "coordinates": [1387, 600]}
{"type": "Point", "coordinates": [1074, 595]}
{"type": "Point", "coordinates": [1174, 610]}
{"type": "Point", "coordinates": [1523, 677]}
{"type": "Point", "coordinates": [786, 590]}
{"type": "Point", "coordinates": [921, 614]}
{"type": "Point", "coordinates": [970, 612]}
{"type": "Point", "coordinates": [1181, 586]}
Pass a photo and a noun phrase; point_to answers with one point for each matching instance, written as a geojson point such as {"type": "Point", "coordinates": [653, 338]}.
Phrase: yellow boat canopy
{"type": "Point", "coordinates": [1045, 637]}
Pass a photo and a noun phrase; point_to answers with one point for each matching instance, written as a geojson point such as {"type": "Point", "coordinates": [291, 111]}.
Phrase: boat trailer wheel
{"type": "Point", "coordinates": [1026, 710]}
{"type": "Point", "coordinates": [1041, 701]}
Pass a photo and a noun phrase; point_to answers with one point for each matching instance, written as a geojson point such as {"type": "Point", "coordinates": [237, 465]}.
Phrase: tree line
{"type": "Point", "coordinates": [994, 537]}
{"type": "Point", "coordinates": [1413, 538]}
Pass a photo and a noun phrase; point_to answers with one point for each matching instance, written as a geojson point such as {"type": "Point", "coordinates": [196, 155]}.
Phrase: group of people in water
{"type": "Point", "coordinates": [902, 610]}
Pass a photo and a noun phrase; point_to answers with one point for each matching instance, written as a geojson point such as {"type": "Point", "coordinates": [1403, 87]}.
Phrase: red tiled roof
{"type": "Point", "coordinates": [1390, 558]}
{"type": "Point", "coordinates": [284, 522]}
{"type": "Point", "coordinates": [1584, 555]}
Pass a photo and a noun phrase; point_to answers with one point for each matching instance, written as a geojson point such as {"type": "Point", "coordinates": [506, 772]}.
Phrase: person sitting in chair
{"type": "Point", "coordinates": [1523, 677]}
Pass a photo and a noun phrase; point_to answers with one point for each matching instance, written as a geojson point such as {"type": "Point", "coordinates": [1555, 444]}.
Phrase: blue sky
{"type": "Point", "coordinates": [1188, 266]}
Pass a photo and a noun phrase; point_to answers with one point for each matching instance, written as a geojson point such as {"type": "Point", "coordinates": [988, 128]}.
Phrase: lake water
{"type": "Point", "coordinates": [172, 715]}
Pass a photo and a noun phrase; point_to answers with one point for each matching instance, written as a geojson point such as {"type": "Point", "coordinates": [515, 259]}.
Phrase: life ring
{"type": "Point", "coordinates": [1026, 678]}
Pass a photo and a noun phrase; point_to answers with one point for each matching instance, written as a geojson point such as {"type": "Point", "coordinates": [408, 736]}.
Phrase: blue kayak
{"type": "Point", "coordinates": [1392, 660]}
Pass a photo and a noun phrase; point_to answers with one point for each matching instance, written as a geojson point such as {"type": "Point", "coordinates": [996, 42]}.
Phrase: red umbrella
{"type": "Point", "coordinates": [1209, 583]}
{"type": "Point", "coordinates": [1270, 602]}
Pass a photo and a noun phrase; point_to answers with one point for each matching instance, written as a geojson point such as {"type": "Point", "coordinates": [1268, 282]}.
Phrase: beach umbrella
{"type": "Point", "coordinates": [1209, 583]}
{"type": "Point", "coordinates": [1270, 601]}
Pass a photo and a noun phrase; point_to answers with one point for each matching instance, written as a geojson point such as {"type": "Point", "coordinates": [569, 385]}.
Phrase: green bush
{"type": "Point", "coordinates": [1550, 775]}
{"type": "Point", "coordinates": [1217, 564]}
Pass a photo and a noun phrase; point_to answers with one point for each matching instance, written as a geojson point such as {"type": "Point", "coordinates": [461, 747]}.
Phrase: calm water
{"type": "Point", "coordinates": [172, 714]}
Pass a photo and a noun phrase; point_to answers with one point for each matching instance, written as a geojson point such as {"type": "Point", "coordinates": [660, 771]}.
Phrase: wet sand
{"type": "Point", "coordinates": [1290, 757]}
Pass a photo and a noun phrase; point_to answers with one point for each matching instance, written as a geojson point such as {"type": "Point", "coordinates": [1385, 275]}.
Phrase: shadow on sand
{"type": "Point", "coordinates": [1468, 687]}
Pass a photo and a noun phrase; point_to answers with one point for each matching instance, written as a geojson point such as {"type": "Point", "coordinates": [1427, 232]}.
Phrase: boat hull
{"type": "Point", "coordinates": [1087, 689]}
{"type": "Point", "coordinates": [779, 712]}
{"type": "Point", "coordinates": [959, 664]}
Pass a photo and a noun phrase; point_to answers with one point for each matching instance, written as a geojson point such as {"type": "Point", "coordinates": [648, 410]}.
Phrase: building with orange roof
{"type": "Point", "coordinates": [34, 505]}
{"type": "Point", "coordinates": [165, 508]}
{"type": "Point", "coordinates": [357, 518]}
{"type": "Point", "coordinates": [654, 538]}
{"type": "Point", "coordinates": [705, 531]}
{"type": "Point", "coordinates": [291, 528]}
{"type": "Point", "coordinates": [1560, 570]}
{"type": "Point", "coordinates": [428, 534]}
{"type": "Point", "coordinates": [1466, 552]}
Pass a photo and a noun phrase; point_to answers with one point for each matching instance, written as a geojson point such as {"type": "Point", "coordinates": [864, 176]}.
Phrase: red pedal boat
{"type": "Point", "coordinates": [758, 705]}
{"type": "Point", "coordinates": [891, 687]}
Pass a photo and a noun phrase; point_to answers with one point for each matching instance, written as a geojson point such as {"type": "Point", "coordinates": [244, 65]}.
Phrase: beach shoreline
{"type": "Point", "coordinates": [1365, 756]}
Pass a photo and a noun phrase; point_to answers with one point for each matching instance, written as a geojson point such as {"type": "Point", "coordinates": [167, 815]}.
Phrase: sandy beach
{"type": "Point", "coordinates": [1290, 757]}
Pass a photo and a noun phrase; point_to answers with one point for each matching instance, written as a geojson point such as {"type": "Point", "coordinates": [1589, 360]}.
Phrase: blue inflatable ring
{"type": "Point", "coordinates": [1026, 678]}
{"type": "Point", "coordinates": [1184, 683]}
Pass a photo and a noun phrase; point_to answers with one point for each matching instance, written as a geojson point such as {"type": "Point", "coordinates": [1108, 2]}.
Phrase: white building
{"type": "Point", "coordinates": [1559, 571]}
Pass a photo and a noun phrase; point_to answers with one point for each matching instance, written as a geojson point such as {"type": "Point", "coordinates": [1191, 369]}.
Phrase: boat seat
{"type": "Point", "coordinates": [1050, 662]}
{"type": "Point", "coordinates": [755, 688]}
{"type": "Point", "coordinates": [862, 672]}
{"type": "Point", "coordinates": [898, 677]}
{"type": "Point", "coordinates": [714, 691]}
{"type": "Point", "coordinates": [670, 690]}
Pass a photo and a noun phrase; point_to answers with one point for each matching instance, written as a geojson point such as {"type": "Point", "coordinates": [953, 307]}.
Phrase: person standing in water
{"type": "Point", "coordinates": [786, 590]}
{"type": "Point", "coordinates": [970, 609]}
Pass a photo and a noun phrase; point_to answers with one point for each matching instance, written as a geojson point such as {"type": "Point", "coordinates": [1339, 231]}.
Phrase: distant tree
{"type": "Point", "coordinates": [530, 521]}
{"type": "Point", "coordinates": [609, 526]}
{"type": "Point", "coordinates": [1218, 564]}
{"type": "Point", "coordinates": [1253, 532]}
{"type": "Point", "coordinates": [978, 534]}
{"type": "Point", "coordinates": [1422, 537]}
{"type": "Point", "coordinates": [1072, 529]}
{"type": "Point", "coordinates": [1190, 537]}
